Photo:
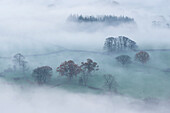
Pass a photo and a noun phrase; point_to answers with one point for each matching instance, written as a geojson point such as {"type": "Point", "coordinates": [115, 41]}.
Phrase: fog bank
{"type": "Point", "coordinates": [47, 100]}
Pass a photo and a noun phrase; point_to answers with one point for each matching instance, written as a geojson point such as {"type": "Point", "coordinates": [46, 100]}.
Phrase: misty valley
{"type": "Point", "coordinates": [91, 56]}
{"type": "Point", "coordinates": [121, 68]}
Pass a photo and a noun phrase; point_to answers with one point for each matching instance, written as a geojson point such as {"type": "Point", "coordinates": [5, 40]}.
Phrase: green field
{"type": "Point", "coordinates": [135, 80]}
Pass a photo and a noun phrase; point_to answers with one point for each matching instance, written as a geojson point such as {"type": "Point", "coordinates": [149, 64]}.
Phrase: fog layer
{"type": "Point", "coordinates": [41, 26]}
{"type": "Point", "coordinates": [42, 22]}
{"type": "Point", "coordinates": [45, 100]}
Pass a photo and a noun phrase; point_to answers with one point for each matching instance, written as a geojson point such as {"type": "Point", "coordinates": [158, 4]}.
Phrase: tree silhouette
{"type": "Point", "coordinates": [24, 66]}
{"type": "Point", "coordinates": [124, 59]}
{"type": "Point", "coordinates": [18, 58]}
{"type": "Point", "coordinates": [142, 57]}
{"type": "Point", "coordinates": [19, 62]}
{"type": "Point", "coordinates": [87, 68]}
{"type": "Point", "coordinates": [69, 69]}
{"type": "Point", "coordinates": [106, 19]}
{"type": "Point", "coordinates": [110, 83]}
{"type": "Point", "coordinates": [119, 44]}
{"type": "Point", "coordinates": [42, 74]}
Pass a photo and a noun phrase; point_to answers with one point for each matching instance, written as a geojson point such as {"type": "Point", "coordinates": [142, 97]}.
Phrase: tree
{"type": "Point", "coordinates": [19, 62]}
{"type": "Point", "coordinates": [142, 57]}
{"type": "Point", "coordinates": [24, 66]}
{"type": "Point", "coordinates": [119, 44]}
{"type": "Point", "coordinates": [87, 68]}
{"type": "Point", "coordinates": [42, 74]}
{"type": "Point", "coordinates": [124, 59]}
{"type": "Point", "coordinates": [110, 83]}
{"type": "Point", "coordinates": [69, 69]}
{"type": "Point", "coordinates": [18, 58]}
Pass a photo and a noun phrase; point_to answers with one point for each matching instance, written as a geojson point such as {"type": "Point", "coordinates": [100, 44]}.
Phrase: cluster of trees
{"type": "Point", "coordinates": [124, 44]}
{"type": "Point", "coordinates": [84, 71]}
{"type": "Point", "coordinates": [107, 19]}
{"type": "Point", "coordinates": [119, 44]}
{"type": "Point", "coordinates": [142, 57]}
{"type": "Point", "coordinates": [70, 69]}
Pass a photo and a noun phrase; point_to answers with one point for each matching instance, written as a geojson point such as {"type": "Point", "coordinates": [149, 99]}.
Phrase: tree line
{"type": "Point", "coordinates": [107, 19]}
{"type": "Point", "coordinates": [85, 70]}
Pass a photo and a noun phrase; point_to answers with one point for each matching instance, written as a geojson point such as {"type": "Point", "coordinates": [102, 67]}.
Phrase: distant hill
{"type": "Point", "coordinates": [161, 21]}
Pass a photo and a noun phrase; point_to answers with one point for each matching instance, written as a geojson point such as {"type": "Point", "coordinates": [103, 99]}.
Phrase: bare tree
{"type": "Point", "coordinates": [18, 58]}
{"type": "Point", "coordinates": [87, 68]}
{"type": "Point", "coordinates": [24, 66]}
{"type": "Point", "coordinates": [19, 62]}
{"type": "Point", "coordinates": [110, 83]}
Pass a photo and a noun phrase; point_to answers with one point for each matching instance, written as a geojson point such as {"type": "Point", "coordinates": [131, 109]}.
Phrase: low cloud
{"type": "Point", "coordinates": [15, 99]}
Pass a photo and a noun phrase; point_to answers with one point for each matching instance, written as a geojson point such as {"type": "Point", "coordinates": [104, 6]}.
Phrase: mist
{"type": "Point", "coordinates": [44, 99]}
{"type": "Point", "coordinates": [42, 32]}
{"type": "Point", "coordinates": [46, 22]}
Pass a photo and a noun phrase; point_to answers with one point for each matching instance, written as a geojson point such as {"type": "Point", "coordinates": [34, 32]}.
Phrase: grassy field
{"type": "Point", "coordinates": [136, 80]}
